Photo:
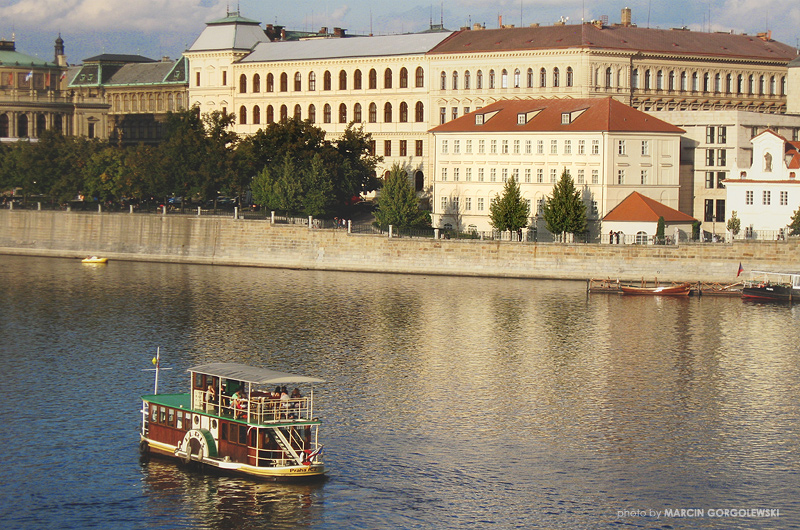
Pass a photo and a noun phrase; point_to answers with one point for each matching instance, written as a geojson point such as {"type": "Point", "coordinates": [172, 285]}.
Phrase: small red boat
{"type": "Point", "coordinates": [665, 290]}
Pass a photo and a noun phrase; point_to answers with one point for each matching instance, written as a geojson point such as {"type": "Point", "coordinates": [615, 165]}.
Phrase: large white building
{"type": "Point", "coordinates": [608, 148]}
{"type": "Point", "coordinates": [766, 192]}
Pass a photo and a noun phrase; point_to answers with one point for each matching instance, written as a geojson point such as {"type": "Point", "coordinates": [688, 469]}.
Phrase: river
{"type": "Point", "coordinates": [449, 403]}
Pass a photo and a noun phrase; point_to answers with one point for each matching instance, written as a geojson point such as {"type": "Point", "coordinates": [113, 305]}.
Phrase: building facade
{"type": "Point", "coordinates": [609, 149]}
{"type": "Point", "coordinates": [766, 192]}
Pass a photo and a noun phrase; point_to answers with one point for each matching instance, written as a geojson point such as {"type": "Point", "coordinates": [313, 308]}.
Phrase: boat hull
{"type": "Point", "coordinates": [149, 447]}
{"type": "Point", "coordinates": [672, 290]}
{"type": "Point", "coordinates": [770, 293]}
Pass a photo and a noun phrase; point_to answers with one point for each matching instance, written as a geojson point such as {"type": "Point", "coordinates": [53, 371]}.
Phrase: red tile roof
{"type": "Point", "coordinates": [631, 38]}
{"type": "Point", "coordinates": [591, 114]}
{"type": "Point", "coordinates": [637, 207]}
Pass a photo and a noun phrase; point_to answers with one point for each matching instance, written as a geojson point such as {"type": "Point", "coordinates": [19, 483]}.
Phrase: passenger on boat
{"type": "Point", "coordinates": [238, 403]}
{"type": "Point", "coordinates": [211, 398]}
{"type": "Point", "coordinates": [295, 404]}
{"type": "Point", "coordinates": [284, 403]}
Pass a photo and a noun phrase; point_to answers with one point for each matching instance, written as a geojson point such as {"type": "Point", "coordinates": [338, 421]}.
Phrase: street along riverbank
{"type": "Point", "coordinates": [258, 243]}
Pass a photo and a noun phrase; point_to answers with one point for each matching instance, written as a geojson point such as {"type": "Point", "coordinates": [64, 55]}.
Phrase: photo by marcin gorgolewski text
{"type": "Point", "coordinates": [685, 513]}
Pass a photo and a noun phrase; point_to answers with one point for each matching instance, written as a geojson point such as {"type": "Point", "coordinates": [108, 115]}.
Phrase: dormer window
{"type": "Point", "coordinates": [479, 119]}
{"type": "Point", "coordinates": [521, 118]}
{"type": "Point", "coordinates": [566, 118]}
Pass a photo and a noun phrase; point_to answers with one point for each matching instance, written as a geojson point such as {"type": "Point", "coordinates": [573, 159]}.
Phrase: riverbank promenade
{"type": "Point", "coordinates": [233, 241]}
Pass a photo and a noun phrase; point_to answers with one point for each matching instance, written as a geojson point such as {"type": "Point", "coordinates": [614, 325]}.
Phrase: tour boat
{"type": "Point", "coordinates": [229, 420]}
{"type": "Point", "coordinates": [665, 290]}
{"type": "Point", "coordinates": [94, 259]}
{"type": "Point", "coordinates": [772, 286]}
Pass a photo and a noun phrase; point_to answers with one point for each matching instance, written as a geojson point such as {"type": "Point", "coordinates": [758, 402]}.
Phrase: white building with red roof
{"type": "Point", "coordinates": [635, 220]}
{"type": "Point", "coordinates": [767, 191]}
{"type": "Point", "coordinates": [609, 149]}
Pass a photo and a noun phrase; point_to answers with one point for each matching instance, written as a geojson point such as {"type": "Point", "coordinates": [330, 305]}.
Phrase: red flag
{"type": "Point", "coordinates": [740, 269]}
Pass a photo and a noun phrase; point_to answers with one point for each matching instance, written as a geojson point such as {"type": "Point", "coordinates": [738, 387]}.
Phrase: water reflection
{"type": "Point", "coordinates": [451, 402]}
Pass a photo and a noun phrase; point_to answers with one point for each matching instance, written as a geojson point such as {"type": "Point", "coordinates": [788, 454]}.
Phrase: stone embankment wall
{"type": "Point", "coordinates": [229, 241]}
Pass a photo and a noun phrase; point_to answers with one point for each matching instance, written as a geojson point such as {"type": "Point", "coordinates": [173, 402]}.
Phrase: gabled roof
{"type": "Point", "coordinates": [16, 59]}
{"type": "Point", "coordinates": [131, 74]}
{"type": "Point", "coordinates": [118, 58]}
{"type": "Point", "coordinates": [625, 38]}
{"type": "Point", "coordinates": [386, 45]}
{"type": "Point", "coordinates": [591, 114]}
{"type": "Point", "coordinates": [637, 207]}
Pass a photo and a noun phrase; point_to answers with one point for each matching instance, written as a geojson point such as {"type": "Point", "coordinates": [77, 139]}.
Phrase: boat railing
{"type": "Point", "coordinates": [263, 409]}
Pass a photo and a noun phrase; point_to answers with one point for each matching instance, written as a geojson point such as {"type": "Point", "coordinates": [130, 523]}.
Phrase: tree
{"type": "Point", "coordinates": [734, 224]}
{"type": "Point", "coordinates": [509, 211]}
{"type": "Point", "coordinates": [660, 230]}
{"type": "Point", "coordinates": [794, 226]}
{"type": "Point", "coordinates": [564, 211]}
{"type": "Point", "coordinates": [397, 203]}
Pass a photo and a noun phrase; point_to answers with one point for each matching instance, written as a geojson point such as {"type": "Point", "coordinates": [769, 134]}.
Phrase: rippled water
{"type": "Point", "coordinates": [451, 402]}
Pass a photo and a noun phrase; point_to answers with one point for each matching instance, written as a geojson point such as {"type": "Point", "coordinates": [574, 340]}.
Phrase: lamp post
{"type": "Point", "coordinates": [713, 228]}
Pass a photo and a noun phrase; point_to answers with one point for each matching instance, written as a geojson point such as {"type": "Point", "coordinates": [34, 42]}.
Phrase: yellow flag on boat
{"type": "Point", "coordinates": [155, 361]}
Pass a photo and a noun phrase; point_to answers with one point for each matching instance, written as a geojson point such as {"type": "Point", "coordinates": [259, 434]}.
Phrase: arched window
{"type": "Point", "coordinates": [466, 80]}
{"type": "Point", "coordinates": [312, 113]}
{"type": "Point", "coordinates": [647, 79]}
{"type": "Point", "coordinates": [739, 84]}
{"type": "Point", "coordinates": [671, 81]}
{"type": "Point", "coordinates": [342, 113]}
{"type": "Point", "coordinates": [284, 113]}
{"type": "Point", "coordinates": [479, 80]}
{"type": "Point", "coordinates": [403, 112]}
{"type": "Point", "coordinates": [706, 85]}
{"type": "Point", "coordinates": [373, 113]}
{"type": "Point", "coordinates": [242, 84]}
{"type": "Point", "coordinates": [312, 81]}
{"type": "Point", "coordinates": [491, 79]}
{"type": "Point", "coordinates": [256, 83]}
{"type": "Point", "coordinates": [373, 79]}
{"type": "Point", "coordinates": [660, 80]}
{"type": "Point", "coordinates": [420, 77]}
{"type": "Point", "coordinates": [683, 81]}
{"type": "Point", "coordinates": [728, 83]}
{"type": "Point", "coordinates": [717, 83]}
{"type": "Point", "coordinates": [357, 80]}
{"type": "Point", "coordinates": [504, 78]}
{"type": "Point", "coordinates": [242, 115]}
{"type": "Point", "coordinates": [751, 84]}
{"type": "Point", "coordinates": [357, 112]}
{"type": "Point", "coordinates": [270, 83]}
{"type": "Point", "coordinates": [569, 76]}
{"type": "Point", "coordinates": [403, 78]}
{"type": "Point", "coordinates": [257, 115]}
{"type": "Point", "coordinates": [419, 112]}
{"type": "Point", "coordinates": [270, 114]}
{"type": "Point", "coordinates": [4, 125]}
{"type": "Point", "coordinates": [387, 113]}
{"type": "Point", "coordinates": [342, 80]}
{"type": "Point", "coordinates": [542, 78]}
{"type": "Point", "coordinates": [387, 78]}
{"type": "Point", "coordinates": [455, 80]}
{"type": "Point", "coordinates": [284, 82]}
{"type": "Point", "coordinates": [326, 113]}
{"type": "Point", "coordinates": [443, 84]}
{"type": "Point", "coordinates": [517, 78]}
{"type": "Point", "coordinates": [783, 85]}
{"type": "Point", "coordinates": [298, 82]}
{"type": "Point", "coordinates": [695, 82]}
{"type": "Point", "coordinates": [22, 126]}
{"type": "Point", "coordinates": [326, 80]}
{"type": "Point", "coordinates": [556, 80]}
{"type": "Point", "coordinates": [298, 114]}
{"type": "Point", "coordinates": [761, 85]}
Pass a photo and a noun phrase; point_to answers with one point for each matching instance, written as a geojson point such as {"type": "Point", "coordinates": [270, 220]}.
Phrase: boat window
{"type": "Point", "coordinates": [171, 419]}
{"type": "Point", "coordinates": [153, 413]}
{"type": "Point", "coordinates": [163, 416]}
{"type": "Point", "coordinates": [223, 431]}
{"type": "Point", "coordinates": [196, 421]}
{"type": "Point", "coordinates": [213, 424]}
{"type": "Point", "coordinates": [243, 434]}
{"type": "Point", "coordinates": [179, 422]}
{"type": "Point", "coordinates": [198, 380]}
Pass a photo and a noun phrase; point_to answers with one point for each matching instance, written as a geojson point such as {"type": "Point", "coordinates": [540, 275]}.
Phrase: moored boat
{"type": "Point", "coordinates": [772, 286]}
{"type": "Point", "coordinates": [94, 259]}
{"type": "Point", "coordinates": [665, 290]}
{"type": "Point", "coordinates": [229, 420]}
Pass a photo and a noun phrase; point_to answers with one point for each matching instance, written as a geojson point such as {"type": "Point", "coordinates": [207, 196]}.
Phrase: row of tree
{"type": "Point", "coordinates": [289, 166]}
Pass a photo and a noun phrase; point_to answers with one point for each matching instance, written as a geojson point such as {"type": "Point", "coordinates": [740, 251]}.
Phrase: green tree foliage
{"type": "Point", "coordinates": [564, 211]}
{"type": "Point", "coordinates": [794, 226]}
{"type": "Point", "coordinates": [660, 229]}
{"type": "Point", "coordinates": [734, 225]}
{"type": "Point", "coordinates": [397, 203]}
{"type": "Point", "coordinates": [509, 211]}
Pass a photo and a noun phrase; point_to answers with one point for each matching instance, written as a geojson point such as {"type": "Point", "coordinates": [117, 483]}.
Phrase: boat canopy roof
{"type": "Point", "coordinates": [251, 374]}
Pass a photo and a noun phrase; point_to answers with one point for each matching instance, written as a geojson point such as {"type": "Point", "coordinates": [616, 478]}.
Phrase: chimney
{"type": "Point", "coordinates": [626, 17]}
{"type": "Point", "coordinates": [338, 32]}
{"type": "Point", "coordinates": [323, 30]}
{"type": "Point", "coordinates": [499, 21]}
{"type": "Point", "coordinates": [478, 26]}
